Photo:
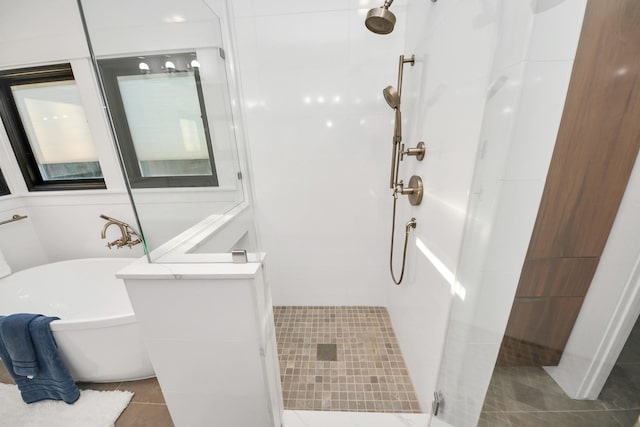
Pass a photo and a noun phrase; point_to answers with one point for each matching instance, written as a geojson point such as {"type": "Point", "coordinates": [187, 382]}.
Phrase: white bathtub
{"type": "Point", "coordinates": [97, 334]}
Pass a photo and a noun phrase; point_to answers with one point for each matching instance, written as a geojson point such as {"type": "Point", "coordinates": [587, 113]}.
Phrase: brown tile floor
{"type": "Point", "coordinates": [146, 409]}
{"type": "Point", "coordinates": [364, 372]}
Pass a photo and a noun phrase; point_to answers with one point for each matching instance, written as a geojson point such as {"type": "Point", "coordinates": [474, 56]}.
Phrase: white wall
{"type": "Point", "coordinates": [322, 165]}
{"type": "Point", "coordinates": [61, 225]}
{"type": "Point", "coordinates": [225, 337]}
{"type": "Point", "coordinates": [444, 100]}
{"type": "Point", "coordinates": [19, 242]}
{"type": "Point", "coordinates": [39, 32]}
{"type": "Point", "coordinates": [320, 138]}
{"type": "Point", "coordinates": [165, 27]}
{"type": "Point", "coordinates": [65, 224]}
{"type": "Point", "coordinates": [133, 27]}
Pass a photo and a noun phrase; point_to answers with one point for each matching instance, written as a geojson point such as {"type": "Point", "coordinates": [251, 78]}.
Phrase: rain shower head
{"type": "Point", "coordinates": [381, 20]}
{"type": "Point", "coordinates": [391, 96]}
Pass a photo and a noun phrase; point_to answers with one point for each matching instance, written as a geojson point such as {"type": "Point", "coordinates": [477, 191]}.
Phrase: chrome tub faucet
{"type": "Point", "coordinates": [129, 237]}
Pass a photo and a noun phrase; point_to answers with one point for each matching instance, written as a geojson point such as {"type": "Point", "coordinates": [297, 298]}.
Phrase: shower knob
{"type": "Point", "coordinates": [418, 151]}
{"type": "Point", "coordinates": [414, 190]}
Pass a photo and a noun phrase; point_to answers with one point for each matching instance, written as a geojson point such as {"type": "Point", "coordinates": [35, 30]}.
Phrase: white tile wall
{"type": "Point", "coordinates": [320, 139]}
{"type": "Point", "coordinates": [19, 242]}
{"type": "Point", "coordinates": [293, 7]}
{"type": "Point", "coordinates": [319, 133]}
{"type": "Point", "coordinates": [29, 38]}
{"type": "Point", "coordinates": [444, 101]}
{"type": "Point", "coordinates": [68, 224]}
{"type": "Point", "coordinates": [513, 220]}
{"type": "Point", "coordinates": [142, 29]}
{"type": "Point", "coordinates": [64, 225]}
{"type": "Point", "coordinates": [544, 89]}
{"type": "Point", "coordinates": [61, 225]}
{"type": "Point", "coordinates": [516, 20]}
{"type": "Point", "coordinates": [556, 29]}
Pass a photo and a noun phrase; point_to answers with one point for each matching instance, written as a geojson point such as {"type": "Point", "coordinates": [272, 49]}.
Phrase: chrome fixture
{"type": "Point", "coordinates": [393, 97]}
{"type": "Point", "coordinates": [436, 403]}
{"type": "Point", "coordinates": [380, 20]}
{"type": "Point", "coordinates": [414, 190]}
{"type": "Point", "coordinates": [407, 229]}
{"type": "Point", "coordinates": [13, 219]}
{"type": "Point", "coordinates": [239, 256]}
{"type": "Point", "coordinates": [128, 233]}
{"type": "Point", "coordinates": [418, 151]}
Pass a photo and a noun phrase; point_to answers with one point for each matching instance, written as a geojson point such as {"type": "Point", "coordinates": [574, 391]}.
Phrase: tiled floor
{"type": "Point", "coordinates": [342, 359]}
{"type": "Point", "coordinates": [147, 408]}
{"type": "Point", "coordinates": [524, 396]}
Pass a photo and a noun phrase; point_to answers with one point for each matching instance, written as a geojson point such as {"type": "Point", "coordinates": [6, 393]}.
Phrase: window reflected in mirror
{"type": "Point", "coordinates": [160, 120]}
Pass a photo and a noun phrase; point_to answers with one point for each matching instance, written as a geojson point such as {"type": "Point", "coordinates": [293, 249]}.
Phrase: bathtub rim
{"type": "Point", "coordinates": [81, 323]}
{"type": "Point", "coordinates": [92, 323]}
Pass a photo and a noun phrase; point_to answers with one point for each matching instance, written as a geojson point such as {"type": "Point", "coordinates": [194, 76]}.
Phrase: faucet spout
{"type": "Point", "coordinates": [103, 234]}
{"type": "Point", "coordinates": [126, 231]}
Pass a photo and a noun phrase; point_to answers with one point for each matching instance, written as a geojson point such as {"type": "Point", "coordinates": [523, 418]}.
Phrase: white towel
{"type": "Point", "coordinates": [5, 269]}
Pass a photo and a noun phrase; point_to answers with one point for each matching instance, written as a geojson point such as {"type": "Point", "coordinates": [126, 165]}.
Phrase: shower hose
{"type": "Point", "coordinates": [411, 224]}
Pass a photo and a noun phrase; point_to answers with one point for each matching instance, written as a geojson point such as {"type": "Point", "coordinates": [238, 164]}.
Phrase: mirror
{"type": "Point", "coordinates": [164, 75]}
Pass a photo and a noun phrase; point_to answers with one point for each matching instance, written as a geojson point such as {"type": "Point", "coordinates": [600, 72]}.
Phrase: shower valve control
{"type": "Point", "coordinates": [414, 190]}
{"type": "Point", "coordinates": [418, 151]}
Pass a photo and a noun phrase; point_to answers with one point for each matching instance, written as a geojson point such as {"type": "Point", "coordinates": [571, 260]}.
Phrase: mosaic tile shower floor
{"type": "Point", "coordinates": [342, 359]}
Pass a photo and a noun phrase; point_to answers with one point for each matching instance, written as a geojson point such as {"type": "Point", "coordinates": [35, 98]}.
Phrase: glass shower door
{"type": "Point", "coordinates": [166, 78]}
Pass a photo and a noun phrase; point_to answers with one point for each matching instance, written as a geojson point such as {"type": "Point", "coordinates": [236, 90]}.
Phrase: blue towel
{"type": "Point", "coordinates": [53, 380]}
{"type": "Point", "coordinates": [14, 332]}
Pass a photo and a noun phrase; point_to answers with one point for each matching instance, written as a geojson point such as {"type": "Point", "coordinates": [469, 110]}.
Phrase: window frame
{"type": "Point", "coordinates": [4, 188]}
{"type": "Point", "coordinates": [112, 68]}
{"type": "Point", "coordinates": [18, 137]}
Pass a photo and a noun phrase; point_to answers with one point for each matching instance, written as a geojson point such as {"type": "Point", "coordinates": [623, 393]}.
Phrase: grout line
{"type": "Point", "coordinates": [362, 330]}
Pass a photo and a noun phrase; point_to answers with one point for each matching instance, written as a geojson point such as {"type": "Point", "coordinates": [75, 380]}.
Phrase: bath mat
{"type": "Point", "coordinates": [93, 409]}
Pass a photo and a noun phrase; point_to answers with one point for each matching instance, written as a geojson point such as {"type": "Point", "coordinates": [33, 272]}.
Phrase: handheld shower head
{"type": "Point", "coordinates": [391, 96]}
{"type": "Point", "coordinates": [381, 20]}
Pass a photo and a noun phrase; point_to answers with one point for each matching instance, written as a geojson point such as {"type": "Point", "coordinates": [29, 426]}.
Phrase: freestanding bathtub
{"type": "Point", "coordinates": [97, 334]}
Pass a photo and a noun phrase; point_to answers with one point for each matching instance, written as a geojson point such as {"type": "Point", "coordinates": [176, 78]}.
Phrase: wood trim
{"type": "Point", "coordinates": [599, 136]}
{"type": "Point", "coordinates": [563, 277]}
{"type": "Point", "coordinates": [597, 145]}
{"type": "Point", "coordinates": [540, 327]}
